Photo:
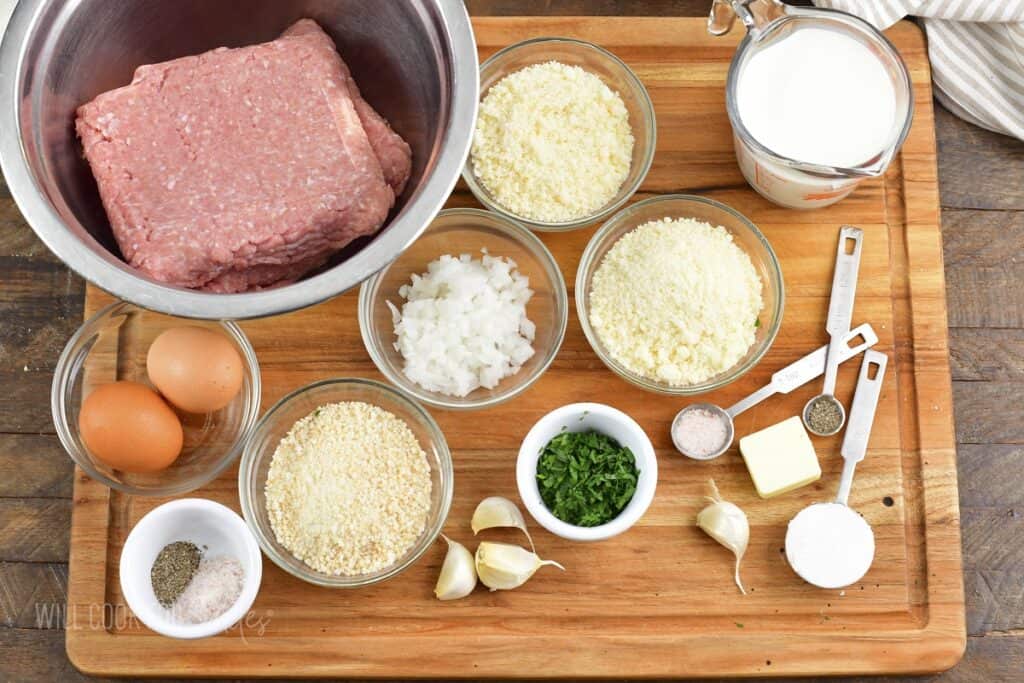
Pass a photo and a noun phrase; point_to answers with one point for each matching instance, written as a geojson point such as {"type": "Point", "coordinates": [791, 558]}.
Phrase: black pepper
{"type": "Point", "coordinates": [173, 569]}
{"type": "Point", "coordinates": [824, 415]}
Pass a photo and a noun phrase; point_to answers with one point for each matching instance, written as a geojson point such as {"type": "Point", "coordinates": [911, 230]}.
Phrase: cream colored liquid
{"type": "Point", "coordinates": [818, 96]}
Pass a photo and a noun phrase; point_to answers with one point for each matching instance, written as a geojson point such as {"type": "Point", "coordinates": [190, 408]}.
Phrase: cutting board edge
{"type": "Point", "coordinates": [95, 652]}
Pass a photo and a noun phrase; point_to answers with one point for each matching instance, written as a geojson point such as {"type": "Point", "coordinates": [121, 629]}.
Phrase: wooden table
{"type": "Point", "coordinates": [982, 189]}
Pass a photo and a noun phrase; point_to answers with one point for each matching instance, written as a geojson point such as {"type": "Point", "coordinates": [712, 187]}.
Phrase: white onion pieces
{"type": "Point", "coordinates": [463, 324]}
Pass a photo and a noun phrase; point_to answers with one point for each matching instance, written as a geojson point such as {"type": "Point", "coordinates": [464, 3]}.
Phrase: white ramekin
{"type": "Point", "coordinates": [580, 417]}
{"type": "Point", "coordinates": [207, 524]}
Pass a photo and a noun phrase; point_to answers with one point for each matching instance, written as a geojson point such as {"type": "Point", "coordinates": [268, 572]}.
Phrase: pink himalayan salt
{"type": "Point", "coordinates": [700, 432]}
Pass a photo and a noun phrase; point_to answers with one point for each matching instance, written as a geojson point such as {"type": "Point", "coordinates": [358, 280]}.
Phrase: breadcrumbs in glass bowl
{"type": "Point", "coordinates": [285, 495]}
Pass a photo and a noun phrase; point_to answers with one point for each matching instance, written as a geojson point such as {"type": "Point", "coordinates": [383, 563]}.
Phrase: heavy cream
{"type": "Point", "coordinates": [818, 96]}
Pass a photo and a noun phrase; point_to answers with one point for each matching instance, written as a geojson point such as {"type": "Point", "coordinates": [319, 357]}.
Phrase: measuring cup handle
{"type": "Point", "coordinates": [862, 417]}
{"type": "Point", "coordinates": [755, 15]}
{"type": "Point", "coordinates": [750, 401]}
{"type": "Point", "coordinates": [844, 281]}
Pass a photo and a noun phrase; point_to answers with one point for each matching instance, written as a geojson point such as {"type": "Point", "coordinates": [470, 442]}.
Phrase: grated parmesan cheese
{"type": "Point", "coordinates": [348, 489]}
{"type": "Point", "coordinates": [676, 301]}
{"type": "Point", "coordinates": [552, 142]}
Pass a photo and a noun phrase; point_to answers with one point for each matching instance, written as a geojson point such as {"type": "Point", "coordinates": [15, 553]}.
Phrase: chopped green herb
{"type": "Point", "coordinates": [586, 478]}
{"type": "Point", "coordinates": [738, 624]}
{"type": "Point", "coordinates": [757, 323]}
{"type": "Point", "coordinates": [316, 412]}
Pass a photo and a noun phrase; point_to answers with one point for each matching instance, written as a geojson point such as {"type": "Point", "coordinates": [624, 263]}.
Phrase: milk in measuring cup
{"type": "Point", "coordinates": [818, 96]}
{"type": "Point", "coordinates": [818, 99]}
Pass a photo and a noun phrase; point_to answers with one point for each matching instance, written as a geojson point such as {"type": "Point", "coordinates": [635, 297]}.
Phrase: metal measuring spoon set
{"type": "Point", "coordinates": [828, 544]}
{"type": "Point", "coordinates": [824, 414]}
{"type": "Point", "coordinates": [787, 379]}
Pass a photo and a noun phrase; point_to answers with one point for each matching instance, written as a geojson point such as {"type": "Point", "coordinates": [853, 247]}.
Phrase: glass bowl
{"type": "Point", "coordinates": [212, 441]}
{"type": "Point", "coordinates": [275, 424]}
{"type": "Point", "coordinates": [467, 231]}
{"type": "Point", "coordinates": [616, 75]}
{"type": "Point", "coordinates": [745, 234]}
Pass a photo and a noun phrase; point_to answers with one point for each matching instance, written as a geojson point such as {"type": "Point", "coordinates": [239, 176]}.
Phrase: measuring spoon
{"type": "Point", "coordinates": [828, 544]}
{"type": "Point", "coordinates": [794, 375]}
{"type": "Point", "coordinates": [840, 311]}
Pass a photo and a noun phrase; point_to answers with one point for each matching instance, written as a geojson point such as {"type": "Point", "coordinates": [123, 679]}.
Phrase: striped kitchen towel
{"type": "Point", "coordinates": [976, 48]}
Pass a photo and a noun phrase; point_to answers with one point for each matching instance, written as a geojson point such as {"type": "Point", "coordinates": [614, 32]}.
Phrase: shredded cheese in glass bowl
{"type": "Point", "coordinates": [565, 135]}
{"type": "Point", "coordinates": [679, 294]}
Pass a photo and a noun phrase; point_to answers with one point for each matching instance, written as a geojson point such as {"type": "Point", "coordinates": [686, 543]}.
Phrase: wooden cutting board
{"type": "Point", "coordinates": [658, 601]}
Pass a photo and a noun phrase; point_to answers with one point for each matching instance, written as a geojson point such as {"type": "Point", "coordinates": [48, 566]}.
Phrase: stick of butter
{"type": "Point", "coordinates": [780, 458]}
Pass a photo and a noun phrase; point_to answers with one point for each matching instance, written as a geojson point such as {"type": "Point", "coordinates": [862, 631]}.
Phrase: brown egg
{"type": "Point", "coordinates": [196, 369]}
{"type": "Point", "coordinates": [128, 426]}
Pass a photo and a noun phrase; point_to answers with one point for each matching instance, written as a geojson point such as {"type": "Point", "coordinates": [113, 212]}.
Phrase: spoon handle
{"type": "Point", "coordinates": [811, 366]}
{"type": "Point", "coordinates": [840, 306]}
{"type": "Point", "coordinates": [862, 417]}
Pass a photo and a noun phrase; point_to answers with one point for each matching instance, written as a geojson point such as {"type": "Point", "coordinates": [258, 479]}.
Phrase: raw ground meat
{"type": "Point", "coordinates": [393, 152]}
{"type": "Point", "coordinates": [238, 168]}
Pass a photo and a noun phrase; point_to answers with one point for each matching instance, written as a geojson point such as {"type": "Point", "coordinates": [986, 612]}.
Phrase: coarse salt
{"type": "Point", "coordinates": [699, 432]}
{"type": "Point", "coordinates": [213, 590]}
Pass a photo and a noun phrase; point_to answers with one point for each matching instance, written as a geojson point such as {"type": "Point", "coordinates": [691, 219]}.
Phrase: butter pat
{"type": "Point", "coordinates": [780, 458]}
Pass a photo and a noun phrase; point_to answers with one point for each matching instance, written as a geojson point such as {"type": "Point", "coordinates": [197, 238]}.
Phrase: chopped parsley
{"type": "Point", "coordinates": [586, 478]}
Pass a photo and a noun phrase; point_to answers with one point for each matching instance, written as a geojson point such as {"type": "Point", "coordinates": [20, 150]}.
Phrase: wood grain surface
{"type": "Point", "coordinates": [656, 601]}
{"type": "Point", "coordinates": [980, 177]}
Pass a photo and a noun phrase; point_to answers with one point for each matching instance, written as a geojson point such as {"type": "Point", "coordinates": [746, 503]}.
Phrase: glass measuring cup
{"type": "Point", "coordinates": [828, 544]}
{"type": "Point", "coordinates": [794, 375]}
{"type": "Point", "coordinates": [796, 183]}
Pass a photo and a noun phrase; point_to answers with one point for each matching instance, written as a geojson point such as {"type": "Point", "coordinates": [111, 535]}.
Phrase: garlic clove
{"type": "Point", "coordinates": [496, 511]}
{"type": "Point", "coordinates": [727, 524]}
{"type": "Point", "coordinates": [502, 566]}
{"type": "Point", "coordinates": [458, 573]}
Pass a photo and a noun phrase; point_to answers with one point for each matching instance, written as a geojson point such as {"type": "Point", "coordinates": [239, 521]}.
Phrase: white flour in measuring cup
{"type": "Point", "coordinates": [818, 96]}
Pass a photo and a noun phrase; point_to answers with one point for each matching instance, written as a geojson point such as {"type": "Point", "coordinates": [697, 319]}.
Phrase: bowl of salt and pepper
{"type": "Point", "coordinates": [195, 588]}
{"type": "Point", "coordinates": [827, 544]}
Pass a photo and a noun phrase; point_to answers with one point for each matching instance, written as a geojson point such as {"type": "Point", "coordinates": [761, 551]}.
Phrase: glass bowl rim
{"type": "Point", "coordinates": [728, 376]}
{"type": "Point", "coordinates": [68, 367]}
{"type": "Point", "coordinates": [517, 231]}
{"type": "Point", "coordinates": [483, 196]}
{"type": "Point", "coordinates": [247, 468]}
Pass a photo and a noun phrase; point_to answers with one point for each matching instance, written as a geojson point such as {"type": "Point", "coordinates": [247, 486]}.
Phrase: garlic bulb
{"type": "Point", "coordinates": [496, 511]}
{"type": "Point", "coordinates": [458, 573]}
{"type": "Point", "coordinates": [727, 524]}
{"type": "Point", "coordinates": [502, 566]}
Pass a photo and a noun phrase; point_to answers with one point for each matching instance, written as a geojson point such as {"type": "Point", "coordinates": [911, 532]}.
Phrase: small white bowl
{"type": "Point", "coordinates": [581, 417]}
{"type": "Point", "coordinates": [206, 524]}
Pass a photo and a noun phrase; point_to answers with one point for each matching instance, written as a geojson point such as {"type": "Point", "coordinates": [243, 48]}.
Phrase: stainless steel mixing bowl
{"type": "Point", "coordinates": [415, 61]}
